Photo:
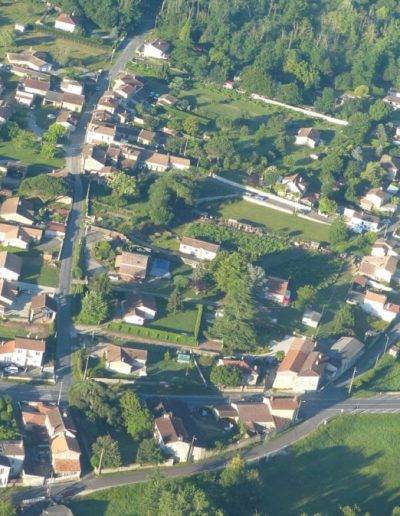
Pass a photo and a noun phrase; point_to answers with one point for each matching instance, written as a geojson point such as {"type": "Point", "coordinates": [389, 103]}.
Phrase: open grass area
{"type": "Point", "coordinates": [34, 160]}
{"type": "Point", "coordinates": [352, 460]}
{"type": "Point", "coordinates": [36, 270]}
{"type": "Point", "coordinates": [273, 220]}
{"type": "Point", "coordinates": [180, 322]}
{"type": "Point", "coordinates": [385, 377]}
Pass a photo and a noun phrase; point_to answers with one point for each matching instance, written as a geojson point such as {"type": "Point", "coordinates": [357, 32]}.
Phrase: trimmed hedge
{"type": "Point", "coordinates": [71, 37]}
{"type": "Point", "coordinates": [152, 333]}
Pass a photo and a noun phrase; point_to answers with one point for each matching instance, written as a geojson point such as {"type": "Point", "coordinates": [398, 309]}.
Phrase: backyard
{"type": "Point", "coordinates": [36, 270]}
{"type": "Point", "coordinates": [34, 160]}
{"type": "Point", "coordinates": [352, 460]}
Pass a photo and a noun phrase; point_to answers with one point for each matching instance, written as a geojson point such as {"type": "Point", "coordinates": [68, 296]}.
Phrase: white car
{"type": "Point", "coordinates": [11, 369]}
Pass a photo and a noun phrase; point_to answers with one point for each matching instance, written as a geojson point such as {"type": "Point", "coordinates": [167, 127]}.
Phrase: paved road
{"type": "Point", "coordinates": [74, 165]}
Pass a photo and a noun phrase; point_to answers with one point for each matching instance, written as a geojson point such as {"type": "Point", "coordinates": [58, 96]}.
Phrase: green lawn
{"type": "Point", "coordinates": [180, 322]}
{"type": "Point", "coordinates": [352, 460]}
{"type": "Point", "coordinates": [385, 377]}
{"type": "Point", "coordinates": [35, 270]}
{"type": "Point", "coordinates": [35, 161]}
{"type": "Point", "coordinates": [273, 220]}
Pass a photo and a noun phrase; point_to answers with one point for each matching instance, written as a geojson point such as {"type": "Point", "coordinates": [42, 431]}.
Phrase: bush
{"type": "Point", "coordinates": [152, 333]}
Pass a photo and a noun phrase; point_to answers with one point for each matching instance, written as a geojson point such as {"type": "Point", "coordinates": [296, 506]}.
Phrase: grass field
{"type": "Point", "coordinates": [181, 322]}
{"type": "Point", "coordinates": [273, 220]}
{"type": "Point", "coordinates": [35, 270]}
{"type": "Point", "coordinates": [35, 162]}
{"type": "Point", "coordinates": [352, 460]}
{"type": "Point", "coordinates": [385, 377]}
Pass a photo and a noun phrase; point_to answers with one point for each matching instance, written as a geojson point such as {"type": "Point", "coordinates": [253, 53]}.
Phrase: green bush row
{"type": "Point", "coordinates": [153, 333]}
{"type": "Point", "coordinates": [197, 325]}
{"type": "Point", "coordinates": [78, 259]}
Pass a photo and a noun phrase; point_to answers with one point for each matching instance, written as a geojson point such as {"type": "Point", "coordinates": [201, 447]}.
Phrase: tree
{"type": "Point", "coordinates": [327, 206]}
{"type": "Point", "coordinates": [148, 452]}
{"type": "Point", "coordinates": [338, 232]}
{"type": "Point", "coordinates": [136, 416]}
{"type": "Point", "coordinates": [123, 185]}
{"type": "Point", "coordinates": [95, 309]}
{"type": "Point", "coordinates": [103, 250]}
{"type": "Point", "coordinates": [226, 376]}
{"type": "Point", "coordinates": [106, 450]}
{"type": "Point", "coordinates": [305, 294]}
{"type": "Point", "coordinates": [7, 508]}
{"type": "Point", "coordinates": [184, 500]}
{"type": "Point", "coordinates": [175, 301]}
{"type": "Point", "coordinates": [44, 186]}
{"type": "Point", "coordinates": [96, 401]}
{"type": "Point", "coordinates": [344, 320]}
{"type": "Point", "coordinates": [326, 102]}
{"type": "Point", "coordinates": [23, 139]}
{"type": "Point", "coordinates": [219, 147]}
{"type": "Point", "coordinates": [191, 126]}
{"type": "Point", "coordinates": [379, 111]}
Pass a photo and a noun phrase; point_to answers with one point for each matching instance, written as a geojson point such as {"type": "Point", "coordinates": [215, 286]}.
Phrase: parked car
{"type": "Point", "coordinates": [11, 369]}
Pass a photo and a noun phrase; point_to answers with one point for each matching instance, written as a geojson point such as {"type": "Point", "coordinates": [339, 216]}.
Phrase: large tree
{"type": "Point", "coordinates": [137, 418]}
{"type": "Point", "coordinates": [105, 449]}
{"type": "Point", "coordinates": [44, 186]}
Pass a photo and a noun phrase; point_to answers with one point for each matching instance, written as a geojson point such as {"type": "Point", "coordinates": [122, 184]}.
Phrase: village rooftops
{"type": "Point", "coordinates": [15, 205]}
{"type": "Point", "coordinates": [283, 403]}
{"type": "Point", "coordinates": [308, 132]}
{"type": "Point", "coordinates": [200, 244]}
{"type": "Point", "coordinates": [171, 429]}
{"type": "Point", "coordinates": [23, 343]}
{"type": "Point", "coordinates": [125, 354]}
{"type": "Point", "coordinates": [156, 158]}
{"type": "Point", "coordinates": [27, 57]}
{"type": "Point", "coordinates": [161, 45]}
{"type": "Point", "coordinates": [300, 358]}
{"type": "Point", "coordinates": [36, 84]}
{"type": "Point", "coordinates": [66, 18]}
{"type": "Point", "coordinates": [276, 285]}
{"type": "Point", "coordinates": [11, 262]}
{"type": "Point", "coordinates": [251, 414]}
{"type": "Point", "coordinates": [43, 300]}
{"type": "Point", "coordinates": [132, 265]}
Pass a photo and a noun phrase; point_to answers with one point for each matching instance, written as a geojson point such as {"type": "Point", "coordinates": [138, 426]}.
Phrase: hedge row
{"type": "Point", "coordinates": [153, 333]}
{"type": "Point", "coordinates": [72, 37]}
{"type": "Point", "coordinates": [199, 318]}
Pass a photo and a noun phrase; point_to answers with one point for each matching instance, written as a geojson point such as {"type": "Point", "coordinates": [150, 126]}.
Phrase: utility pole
{"type": "Point", "coordinates": [59, 394]}
{"type": "Point", "coordinates": [352, 380]}
{"type": "Point", "coordinates": [101, 460]}
{"type": "Point", "coordinates": [86, 367]}
{"type": "Point", "coordinates": [386, 344]}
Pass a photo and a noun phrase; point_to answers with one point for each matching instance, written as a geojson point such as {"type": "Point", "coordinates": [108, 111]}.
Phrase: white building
{"type": "Point", "coordinates": [65, 22]}
{"type": "Point", "coordinates": [381, 269]}
{"type": "Point", "coordinates": [308, 136]}
{"type": "Point", "coordinates": [14, 451]}
{"type": "Point", "coordinates": [360, 222]}
{"type": "Point", "coordinates": [71, 86]}
{"type": "Point", "coordinates": [23, 352]}
{"type": "Point", "coordinates": [311, 318]}
{"type": "Point", "coordinates": [10, 266]}
{"type": "Point", "coordinates": [101, 133]}
{"type": "Point", "coordinates": [138, 310]}
{"type": "Point", "coordinates": [5, 470]}
{"type": "Point", "coordinates": [200, 249]}
{"type": "Point", "coordinates": [124, 360]}
{"type": "Point", "coordinates": [378, 306]}
{"type": "Point", "coordinates": [157, 49]}
{"type": "Point", "coordinates": [344, 354]}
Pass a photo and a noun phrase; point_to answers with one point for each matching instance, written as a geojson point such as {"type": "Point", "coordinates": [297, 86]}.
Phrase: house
{"type": "Point", "coordinates": [43, 308]}
{"type": "Point", "coordinates": [250, 374]}
{"type": "Point", "coordinates": [139, 309]}
{"type": "Point", "coordinates": [16, 209]}
{"type": "Point", "coordinates": [127, 85]}
{"type": "Point", "coordinates": [29, 59]}
{"type": "Point", "coordinates": [15, 452]}
{"type": "Point", "coordinates": [23, 352]}
{"type": "Point", "coordinates": [277, 290]}
{"type": "Point", "coordinates": [311, 318]}
{"type": "Point", "coordinates": [308, 136]}
{"type": "Point", "coordinates": [360, 221]}
{"type": "Point", "coordinates": [10, 266]}
{"type": "Point", "coordinates": [179, 163]}
{"type": "Point", "coordinates": [20, 27]}
{"type": "Point", "coordinates": [229, 85]}
{"type": "Point", "coordinates": [295, 185]}
{"type": "Point", "coordinates": [225, 411]}
{"type": "Point", "coordinates": [199, 248]}
{"type": "Point", "coordinates": [19, 236]}
{"type": "Point", "coordinates": [101, 133]}
{"type": "Point", "coordinates": [71, 86]}
{"type": "Point", "coordinates": [55, 229]}
{"type": "Point", "coordinates": [378, 306]}
{"type": "Point", "coordinates": [166, 100]}
{"type": "Point", "coordinates": [61, 433]}
{"type": "Point", "coordinates": [36, 86]}
{"type": "Point", "coordinates": [157, 49]}
{"type": "Point", "coordinates": [72, 102]}
{"type": "Point", "coordinates": [374, 199]}
{"type": "Point", "coordinates": [393, 101]}
{"type": "Point", "coordinates": [146, 137]}
{"type": "Point", "coordinates": [65, 22]}
{"type": "Point", "coordinates": [173, 437]}
{"type": "Point", "coordinates": [8, 295]}
{"type": "Point", "coordinates": [108, 102]}
{"type": "Point", "coordinates": [94, 158]}
{"type": "Point", "coordinates": [344, 354]}
{"type": "Point", "coordinates": [255, 417]}
{"type": "Point", "coordinates": [131, 266]}
{"type": "Point", "coordinates": [383, 247]}
{"type": "Point", "coordinates": [67, 119]}
{"type": "Point", "coordinates": [126, 91]}
{"type": "Point", "coordinates": [24, 98]}
{"type": "Point", "coordinates": [12, 174]}
{"type": "Point", "coordinates": [5, 470]}
{"type": "Point", "coordinates": [378, 268]}
{"type": "Point", "coordinates": [157, 162]}
{"type": "Point", "coordinates": [301, 369]}
{"type": "Point", "coordinates": [125, 360]}
{"type": "Point", "coordinates": [282, 407]}
{"type": "Point", "coordinates": [394, 351]}
{"type": "Point", "coordinates": [391, 164]}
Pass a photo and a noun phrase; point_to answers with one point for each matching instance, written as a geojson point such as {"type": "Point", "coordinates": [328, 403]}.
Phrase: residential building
{"type": "Point", "coordinates": [393, 101]}
{"type": "Point", "coordinates": [72, 102]}
{"type": "Point", "coordinates": [344, 354]}
{"type": "Point", "coordinates": [101, 133]}
{"type": "Point", "coordinates": [386, 247]}
{"type": "Point", "coordinates": [15, 452]}
{"type": "Point", "coordinates": [36, 86]}
{"type": "Point", "coordinates": [301, 369]}
{"type": "Point", "coordinates": [250, 374]}
{"type": "Point", "coordinates": [127, 85]}
{"type": "Point", "coordinates": [157, 49]}
{"type": "Point", "coordinates": [139, 309]}
{"type": "Point", "coordinates": [17, 209]}
{"type": "Point", "coordinates": [295, 185]}
{"type": "Point", "coordinates": [255, 417]}
{"type": "Point", "coordinates": [374, 199]}
{"type": "Point", "coordinates": [67, 119]}
{"type": "Point", "coordinates": [108, 102]}
{"type": "Point", "coordinates": [179, 163]}
{"type": "Point", "coordinates": [8, 295]}
{"type": "Point", "coordinates": [43, 308]}
{"type": "Point", "coordinates": [277, 290]}
{"type": "Point", "coordinates": [378, 306]}
{"type": "Point", "coordinates": [23, 352]}
{"type": "Point", "coordinates": [157, 162]}
{"type": "Point", "coordinates": [124, 360]}
{"type": "Point", "coordinates": [391, 164]}
{"type": "Point", "coordinates": [19, 236]}
{"type": "Point", "coordinates": [71, 86]}
{"type": "Point", "coordinates": [29, 59]}
{"type": "Point", "coordinates": [173, 437]}
{"type": "Point", "coordinates": [311, 318]}
{"type": "Point", "coordinates": [198, 248]}
{"type": "Point", "coordinates": [5, 470]}
{"type": "Point", "coordinates": [131, 266]}
{"type": "Point", "coordinates": [360, 221]}
{"type": "Point", "coordinates": [65, 22]}
{"type": "Point", "coordinates": [24, 98]}
{"type": "Point", "coordinates": [166, 100]}
{"type": "Point", "coordinates": [146, 137]}
{"type": "Point", "coordinates": [65, 455]}
{"type": "Point", "coordinates": [10, 266]}
{"type": "Point", "coordinates": [381, 269]}
{"type": "Point", "coordinates": [94, 158]}
{"type": "Point", "coordinates": [308, 136]}
{"type": "Point", "coordinates": [282, 407]}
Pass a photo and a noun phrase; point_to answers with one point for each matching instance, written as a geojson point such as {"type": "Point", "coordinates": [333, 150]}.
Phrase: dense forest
{"type": "Point", "coordinates": [307, 51]}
